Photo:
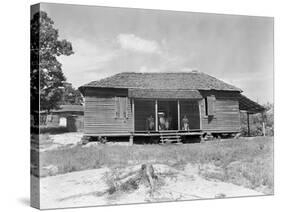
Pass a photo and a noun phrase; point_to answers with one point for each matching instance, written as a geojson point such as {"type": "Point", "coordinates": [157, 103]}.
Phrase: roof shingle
{"type": "Point", "coordinates": [165, 80]}
{"type": "Point", "coordinates": [69, 108]}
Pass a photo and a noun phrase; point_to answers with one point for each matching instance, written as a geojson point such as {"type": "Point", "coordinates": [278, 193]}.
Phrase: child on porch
{"type": "Point", "coordinates": [168, 121]}
{"type": "Point", "coordinates": [150, 123]}
{"type": "Point", "coordinates": [185, 123]}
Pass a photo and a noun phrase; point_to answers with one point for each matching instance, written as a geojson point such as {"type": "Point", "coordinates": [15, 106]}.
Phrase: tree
{"type": "Point", "coordinates": [257, 120]}
{"type": "Point", "coordinates": [45, 48]}
{"type": "Point", "coordinates": [71, 96]}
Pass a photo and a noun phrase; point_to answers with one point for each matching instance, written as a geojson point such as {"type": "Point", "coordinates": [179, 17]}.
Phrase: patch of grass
{"type": "Point", "coordinates": [45, 139]}
{"type": "Point", "coordinates": [247, 162]}
{"type": "Point", "coordinates": [249, 165]}
{"type": "Point", "coordinates": [255, 174]}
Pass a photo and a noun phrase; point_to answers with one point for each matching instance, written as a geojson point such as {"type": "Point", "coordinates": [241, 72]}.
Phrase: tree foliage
{"type": "Point", "coordinates": [45, 48]}
{"type": "Point", "coordinates": [71, 96]}
{"type": "Point", "coordinates": [257, 120]}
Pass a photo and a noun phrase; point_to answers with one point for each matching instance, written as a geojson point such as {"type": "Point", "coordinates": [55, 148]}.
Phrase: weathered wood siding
{"type": "Point", "coordinates": [100, 112]}
{"type": "Point", "coordinates": [52, 120]}
{"type": "Point", "coordinates": [100, 116]}
{"type": "Point", "coordinates": [226, 116]}
{"type": "Point", "coordinates": [75, 123]}
{"type": "Point", "coordinates": [191, 109]}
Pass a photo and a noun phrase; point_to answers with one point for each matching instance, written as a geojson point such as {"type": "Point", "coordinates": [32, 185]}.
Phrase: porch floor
{"type": "Point", "coordinates": [167, 132]}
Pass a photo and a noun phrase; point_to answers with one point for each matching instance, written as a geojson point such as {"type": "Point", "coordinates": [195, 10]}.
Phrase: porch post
{"type": "Point", "coordinates": [133, 114]}
{"type": "Point", "coordinates": [248, 123]}
{"type": "Point", "coordinates": [263, 124]}
{"type": "Point", "coordinates": [179, 121]}
{"type": "Point", "coordinates": [131, 140]}
{"type": "Point", "coordinates": [263, 128]}
{"type": "Point", "coordinates": [156, 115]}
{"type": "Point", "coordinates": [200, 114]}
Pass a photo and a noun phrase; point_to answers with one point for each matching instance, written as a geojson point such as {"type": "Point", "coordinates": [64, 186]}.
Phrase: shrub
{"type": "Point", "coordinates": [256, 122]}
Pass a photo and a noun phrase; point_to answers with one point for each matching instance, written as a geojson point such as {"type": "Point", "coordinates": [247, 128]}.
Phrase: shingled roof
{"type": "Point", "coordinates": [69, 108]}
{"type": "Point", "coordinates": [250, 106]}
{"type": "Point", "coordinates": [177, 80]}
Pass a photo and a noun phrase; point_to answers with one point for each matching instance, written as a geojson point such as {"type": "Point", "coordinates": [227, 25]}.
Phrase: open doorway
{"type": "Point", "coordinates": [145, 115]}
{"type": "Point", "coordinates": [190, 109]}
{"type": "Point", "coordinates": [167, 115]}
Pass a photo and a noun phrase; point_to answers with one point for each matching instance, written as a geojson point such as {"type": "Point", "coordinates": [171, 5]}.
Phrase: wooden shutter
{"type": "Point", "coordinates": [126, 108]}
{"type": "Point", "coordinates": [121, 107]}
{"type": "Point", "coordinates": [211, 101]}
{"type": "Point", "coordinates": [117, 107]}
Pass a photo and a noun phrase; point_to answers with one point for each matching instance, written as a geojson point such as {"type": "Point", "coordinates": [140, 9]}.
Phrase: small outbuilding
{"type": "Point", "coordinates": [69, 116]}
{"type": "Point", "coordinates": [165, 105]}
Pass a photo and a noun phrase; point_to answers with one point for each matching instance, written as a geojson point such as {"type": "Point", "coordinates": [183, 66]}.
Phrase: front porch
{"type": "Point", "coordinates": [151, 117]}
{"type": "Point", "coordinates": [165, 120]}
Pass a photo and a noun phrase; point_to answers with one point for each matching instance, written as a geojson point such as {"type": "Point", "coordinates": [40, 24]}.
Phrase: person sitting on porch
{"type": "Point", "coordinates": [162, 121]}
{"type": "Point", "coordinates": [150, 123]}
{"type": "Point", "coordinates": [168, 122]}
{"type": "Point", "coordinates": [185, 123]}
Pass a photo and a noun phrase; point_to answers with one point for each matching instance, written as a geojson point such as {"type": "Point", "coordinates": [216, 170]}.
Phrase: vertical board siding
{"type": "Point", "coordinates": [190, 108]}
{"type": "Point", "coordinates": [226, 116]}
{"type": "Point", "coordinates": [100, 116]}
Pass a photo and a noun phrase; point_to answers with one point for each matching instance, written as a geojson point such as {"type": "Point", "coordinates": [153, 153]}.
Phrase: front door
{"type": "Point", "coordinates": [190, 110]}
{"type": "Point", "coordinates": [167, 115]}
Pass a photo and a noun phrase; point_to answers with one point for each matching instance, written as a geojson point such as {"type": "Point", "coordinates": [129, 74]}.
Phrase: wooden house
{"type": "Point", "coordinates": [163, 104]}
{"type": "Point", "coordinates": [69, 116]}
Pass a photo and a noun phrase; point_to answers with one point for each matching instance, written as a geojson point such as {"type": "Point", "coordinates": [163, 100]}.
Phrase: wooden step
{"type": "Point", "coordinates": [170, 136]}
{"type": "Point", "coordinates": [170, 133]}
{"type": "Point", "coordinates": [170, 140]}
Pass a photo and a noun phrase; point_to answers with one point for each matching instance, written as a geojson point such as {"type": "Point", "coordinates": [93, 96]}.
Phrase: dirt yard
{"type": "Point", "coordinates": [216, 169]}
{"type": "Point", "coordinates": [59, 141]}
{"type": "Point", "coordinates": [90, 187]}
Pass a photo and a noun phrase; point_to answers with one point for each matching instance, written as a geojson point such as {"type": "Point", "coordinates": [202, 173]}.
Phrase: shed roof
{"type": "Point", "coordinates": [164, 94]}
{"type": "Point", "coordinates": [69, 108]}
{"type": "Point", "coordinates": [249, 105]}
{"type": "Point", "coordinates": [193, 80]}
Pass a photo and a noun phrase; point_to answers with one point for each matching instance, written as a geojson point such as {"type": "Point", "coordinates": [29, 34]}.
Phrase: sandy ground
{"type": "Point", "coordinates": [69, 140]}
{"type": "Point", "coordinates": [88, 188]}
{"type": "Point", "coordinates": [64, 140]}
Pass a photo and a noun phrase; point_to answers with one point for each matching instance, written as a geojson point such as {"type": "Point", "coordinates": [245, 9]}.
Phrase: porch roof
{"type": "Point", "coordinates": [164, 94]}
{"type": "Point", "coordinates": [66, 109]}
{"type": "Point", "coordinates": [249, 105]}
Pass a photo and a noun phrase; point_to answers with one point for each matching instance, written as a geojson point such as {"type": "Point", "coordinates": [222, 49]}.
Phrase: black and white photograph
{"type": "Point", "coordinates": [136, 105]}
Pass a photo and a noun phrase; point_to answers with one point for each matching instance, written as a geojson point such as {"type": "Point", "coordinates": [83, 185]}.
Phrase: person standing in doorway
{"type": "Point", "coordinates": [150, 123]}
{"type": "Point", "coordinates": [185, 123]}
{"type": "Point", "coordinates": [168, 122]}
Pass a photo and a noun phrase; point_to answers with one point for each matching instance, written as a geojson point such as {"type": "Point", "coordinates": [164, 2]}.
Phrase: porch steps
{"type": "Point", "coordinates": [169, 138]}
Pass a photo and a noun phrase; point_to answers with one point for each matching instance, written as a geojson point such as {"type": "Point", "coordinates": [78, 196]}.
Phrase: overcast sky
{"type": "Point", "coordinates": [235, 49]}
